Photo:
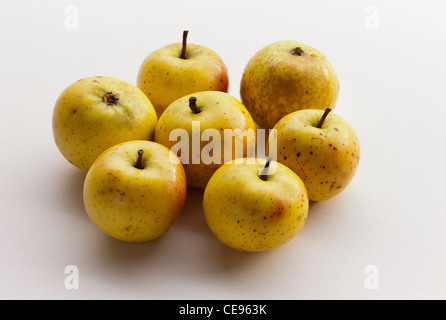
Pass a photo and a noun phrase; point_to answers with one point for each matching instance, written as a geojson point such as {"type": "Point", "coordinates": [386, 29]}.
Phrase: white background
{"type": "Point", "coordinates": [390, 60]}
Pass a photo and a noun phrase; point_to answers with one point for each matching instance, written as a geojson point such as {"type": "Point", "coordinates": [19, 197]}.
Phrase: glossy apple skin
{"type": "Point", "coordinates": [84, 125]}
{"type": "Point", "coordinates": [276, 82]}
{"type": "Point", "coordinates": [249, 214]}
{"type": "Point", "coordinates": [131, 204]}
{"type": "Point", "coordinates": [164, 77]}
{"type": "Point", "coordinates": [326, 158]}
{"type": "Point", "coordinates": [219, 111]}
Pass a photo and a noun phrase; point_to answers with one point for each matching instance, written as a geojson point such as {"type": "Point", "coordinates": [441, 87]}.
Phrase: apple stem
{"type": "Point", "coordinates": [264, 174]}
{"type": "Point", "coordinates": [297, 51]}
{"type": "Point", "coordinates": [111, 98]}
{"type": "Point", "coordinates": [183, 50]}
{"type": "Point", "coordinates": [321, 121]}
{"type": "Point", "coordinates": [193, 105]}
{"type": "Point", "coordinates": [139, 162]}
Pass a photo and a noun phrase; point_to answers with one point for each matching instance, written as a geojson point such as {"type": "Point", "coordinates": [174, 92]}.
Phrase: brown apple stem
{"type": "Point", "coordinates": [111, 98]}
{"type": "Point", "coordinates": [297, 51]}
{"type": "Point", "coordinates": [321, 121]}
{"type": "Point", "coordinates": [183, 50]}
{"type": "Point", "coordinates": [193, 105]}
{"type": "Point", "coordinates": [139, 162]}
{"type": "Point", "coordinates": [264, 174]}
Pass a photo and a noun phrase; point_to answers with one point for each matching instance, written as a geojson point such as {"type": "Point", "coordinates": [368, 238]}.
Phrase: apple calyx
{"type": "Point", "coordinates": [264, 174]}
{"type": "Point", "coordinates": [321, 121]}
{"type": "Point", "coordinates": [183, 50]}
{"type": "Point", "coordinates": [111, 98]}
{"type": "Point", "coordinates": [139, 162]}
{"type": "Point", "coordinates": [193, 105]}
{"type": "Point", "coordinates": [297, 51]}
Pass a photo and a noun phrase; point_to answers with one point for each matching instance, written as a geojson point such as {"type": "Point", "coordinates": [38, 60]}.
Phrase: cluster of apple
{"type": "Point", "coordinates": [143, 145]}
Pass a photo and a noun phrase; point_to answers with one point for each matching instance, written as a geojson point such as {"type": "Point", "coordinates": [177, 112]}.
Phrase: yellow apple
{"type": "Point", "coordinates": [321, 148]}
{"type": "Point", "coordinates": [176, 70]}
{"type": "Point", "coordinates": [251, 209]}
{"type": "Point", "coordinates": [287, 76]}
{"type": "Point", "coordinates": [135, 191]}
{"type": "Point", "coordinates": [96, 113]}
{"type": "Point", "coordinates": [206, 129]}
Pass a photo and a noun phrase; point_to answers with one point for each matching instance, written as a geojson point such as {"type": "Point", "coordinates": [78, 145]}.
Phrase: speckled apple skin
{"type": "Point", "coordinates": [326, 159]}
{"type": "Point", "coordinates": [219, 111]}
{"type": "Point", "coordinates": [249, 214]}
{"type": "Point", "coordinates": [275, 82]}
{"type": "Point", "coordinates": [131, 204]}
{"type": "Point", "coordinates": [164, 77]}
{"type": "Point", "coordinates": [84, 125]}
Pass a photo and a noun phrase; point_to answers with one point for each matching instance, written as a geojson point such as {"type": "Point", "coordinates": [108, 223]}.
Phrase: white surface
{"type": "Point", "coordinates": [391, 216]}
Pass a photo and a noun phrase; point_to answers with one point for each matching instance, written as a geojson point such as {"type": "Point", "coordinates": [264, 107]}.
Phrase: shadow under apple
{"type": "Point", "coordinates": [124, 257]}
{"type": "Point", "coordinates": [69, 189]}
{"type": "Point", "coordinates": [192, 217]}
{"type": "Point", "coordinates": [121, 255]}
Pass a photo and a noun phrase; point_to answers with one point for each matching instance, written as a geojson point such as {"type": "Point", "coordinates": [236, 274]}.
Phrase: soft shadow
{"type": "Point", "coordinates": [125, 258]}
{"type": "Point", "coordinates": [246, 267]}
{"type": "Point", "coordinates": [229, 259]}
{"type": "Point", "coordinates": [69, 188]}
{"type": "Point", "coordinates": [75, 187]}
{"type": "Point", "coordinates": [122, 256]}
{"type": "Point", "coordinates": [314, 207]}
{"type": "Point", "coordinates": [320, 210]}
{"type": "Point", "coordinates": [192, 216]}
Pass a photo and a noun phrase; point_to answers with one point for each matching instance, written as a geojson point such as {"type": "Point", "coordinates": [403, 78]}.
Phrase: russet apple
{"type": "Point", "coordinates": [178, 69]}
{"type": "Point", "coordinates": [251, 209]}
{"type": "Point", "coordinates": [287, 76]}
{"type": "Point", "coordinates": [212, 127]}
{"type": "Point", "coordinates": [135, 191]}
{"type": "Point", "coordinates": [321, 148]}
{"type": "Point", "coordinates": [96, 113]}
